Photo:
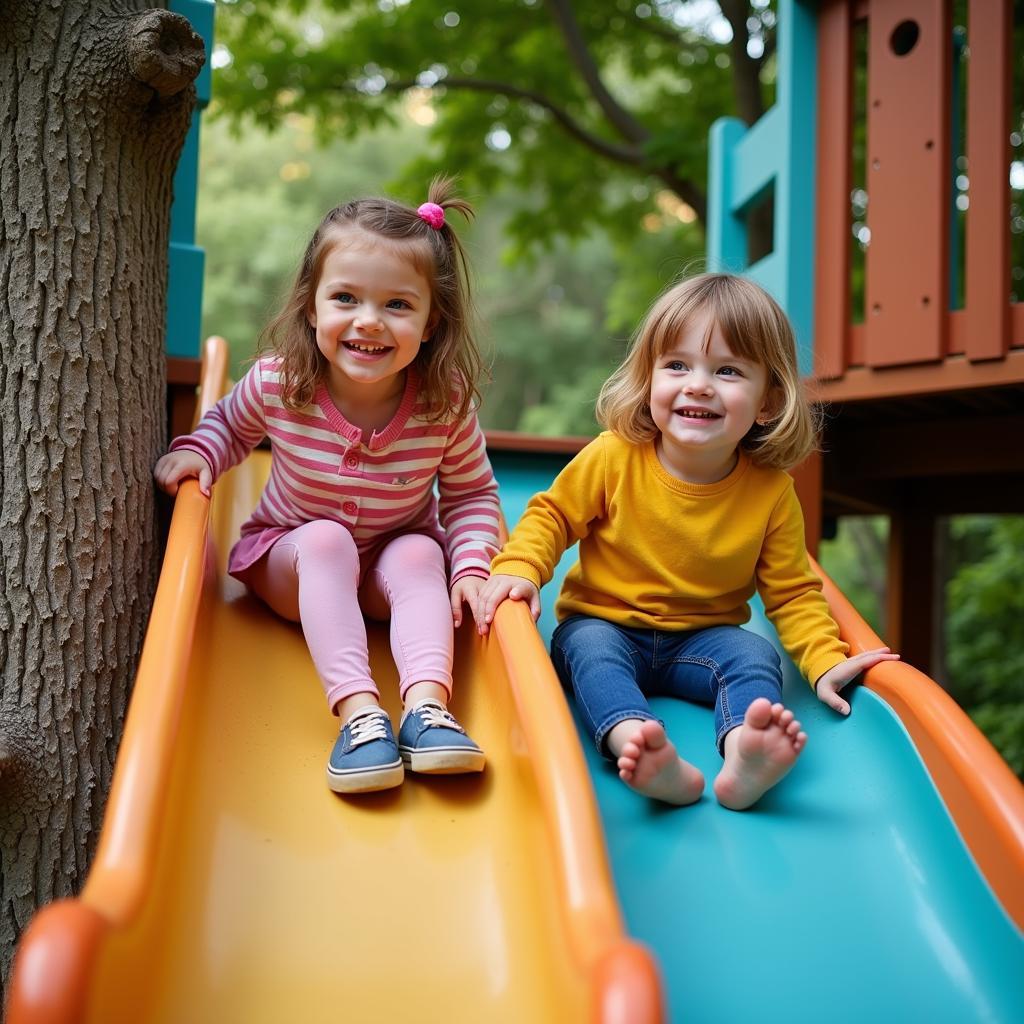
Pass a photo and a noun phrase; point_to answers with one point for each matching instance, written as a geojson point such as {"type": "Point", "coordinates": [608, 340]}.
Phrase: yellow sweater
{"type": "Point", "coordinates": [657, 552]}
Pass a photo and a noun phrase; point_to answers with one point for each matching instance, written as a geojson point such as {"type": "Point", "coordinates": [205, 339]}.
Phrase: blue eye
{"type": "Point", "coordinates": [344, 297]}
{"type": "Point", "coordinates": [676, 365]}
{"type": "Point", "coordinates": [399, 304]}
{"type": "Point", "coordinates": [730, 371]}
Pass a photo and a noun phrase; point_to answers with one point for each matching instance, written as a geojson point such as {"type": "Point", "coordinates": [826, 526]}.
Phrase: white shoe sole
{"type": "Point", "coordinates": [444, 762]}
{"type": "Point", "coordinates": [368, 781]}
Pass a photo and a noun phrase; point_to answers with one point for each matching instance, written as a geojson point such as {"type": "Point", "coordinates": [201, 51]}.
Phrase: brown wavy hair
{"type": "Point", "coordinates": [755, 328]}
{"type": "Point", "coordinates": [450, 364]}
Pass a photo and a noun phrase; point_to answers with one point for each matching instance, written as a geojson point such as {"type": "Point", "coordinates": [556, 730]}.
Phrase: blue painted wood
{"type": "Point", "coordinates": [778, 155]}
{"type": "Point", "coordinates": [847, 895]}
{"type": "Point", "coordinates": [727, 229]}
{"type": "Point", "coordinates": [185, 259]}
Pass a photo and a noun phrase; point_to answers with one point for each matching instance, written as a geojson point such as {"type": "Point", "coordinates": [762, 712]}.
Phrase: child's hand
{"type": "Point", "coordinates": [828, 685]}
{"type": "Point", "coordinates": [496, 590]}
{"type": "Point", "coordinates": [466, 590]}
{"type": "Point", "coordinates": [174, 467]}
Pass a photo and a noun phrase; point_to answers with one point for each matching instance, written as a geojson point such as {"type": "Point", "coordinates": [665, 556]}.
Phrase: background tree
{"type": "Point", "coordinates": [95, 100]}
{"type": "Point", "coordinates": [263, 194]}
{"type": "Point", "coordinates": [595, 109]}
{"type": "Point", "coordinates": [984, 611]}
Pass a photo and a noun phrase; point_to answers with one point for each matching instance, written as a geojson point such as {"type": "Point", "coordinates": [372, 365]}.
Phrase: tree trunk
{"type": "Point", "coordinates": [95, 102]}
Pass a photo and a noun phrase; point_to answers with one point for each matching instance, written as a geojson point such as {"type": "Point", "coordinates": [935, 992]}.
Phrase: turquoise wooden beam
{"type": "Point", "coordinates": [186, 259]}
{"type": "Point", "coordinates": [774, 156]}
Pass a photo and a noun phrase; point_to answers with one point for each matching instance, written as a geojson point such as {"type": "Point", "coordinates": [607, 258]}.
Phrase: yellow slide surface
{"type": "Point", "coordinates": [231, 885]}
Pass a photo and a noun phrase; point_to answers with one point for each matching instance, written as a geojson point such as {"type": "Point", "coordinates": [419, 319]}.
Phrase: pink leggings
{"type": "Point", "coordinates": [311, 576]}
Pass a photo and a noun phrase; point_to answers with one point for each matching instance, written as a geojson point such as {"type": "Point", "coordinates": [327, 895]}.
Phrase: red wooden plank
{"type": "Point", "coordinates": [908, 181]}
{"type": "Point", "coordinates": [861, 383]}
{"type": "Point", "coordinates": [987, 301]}
{"type": "Point", "coordinates": [832, 243]}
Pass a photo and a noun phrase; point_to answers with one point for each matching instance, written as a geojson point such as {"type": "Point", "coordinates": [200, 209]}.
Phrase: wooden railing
{"type": "Point", "coordinates": [911, 341]}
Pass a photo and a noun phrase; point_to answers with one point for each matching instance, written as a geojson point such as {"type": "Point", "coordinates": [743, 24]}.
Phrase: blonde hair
{"type": "Point", "coordinates": [450, 364]}
{"type": "Point", "coordinates": [755, 328]}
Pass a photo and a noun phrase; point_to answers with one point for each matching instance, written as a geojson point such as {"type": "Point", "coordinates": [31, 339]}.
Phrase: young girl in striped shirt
{"type": "Point", "coordinates": [368, 398]}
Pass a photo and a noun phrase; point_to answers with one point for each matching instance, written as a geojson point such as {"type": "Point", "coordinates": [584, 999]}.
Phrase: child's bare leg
{"type": "Point", "coordinates": [348, 706]}
{"type": "Point", "coordinates": [648, 762]}
{"type": "Point", "coordinates": [425, 691]}
{"type": "Point", "coordinates": [758, 754]}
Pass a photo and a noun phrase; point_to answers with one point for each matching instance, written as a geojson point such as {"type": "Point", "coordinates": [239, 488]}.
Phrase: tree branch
{"type": "Point", "coordinates": [627, 125]}
{"type": "Point", "coordinates": [164, 52]}
{"type": "Point", "coordinates": [630, 155]}
{"type": "Point", "coordinates": [658, 28]}
{"type": "Point", "coordinates": [745, 69]}
{"type": "Point", "coordinates": [687, 190]}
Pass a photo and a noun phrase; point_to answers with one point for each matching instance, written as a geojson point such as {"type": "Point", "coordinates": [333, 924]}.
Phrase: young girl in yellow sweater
{"type": "Point", "coordinates": [681, 509]}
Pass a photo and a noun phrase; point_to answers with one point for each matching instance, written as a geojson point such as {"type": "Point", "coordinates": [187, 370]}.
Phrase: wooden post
{"type": "Point", "coordinates": [807, 478]}
{"type": "Point", "coordinates": [910, 604]}
{"type": "Point", "coordinates": [907, 296]}
{"type": "Point", "coordinates": [989, 77]}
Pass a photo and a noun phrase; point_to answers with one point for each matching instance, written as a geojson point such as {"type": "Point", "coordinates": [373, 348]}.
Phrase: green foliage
{"type": "Point", "coordinates": [595, 204]}
{"type": "Point", "coordinates": [855, 559]}
{"type": "Point", "coordinates": [501, 83]}
{"type": "Point", "coordinates": [984, 623]}
{"type": "Point", "coordinates": [985, 609]}
{"type": "Point", "coordinates": [543, 321]}
{"type": "Point", "coordinates": [260, 198]}
{"type": "Point", "coordinates": [1003, 724]}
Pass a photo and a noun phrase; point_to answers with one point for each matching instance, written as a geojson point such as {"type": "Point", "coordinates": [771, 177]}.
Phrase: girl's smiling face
{"type": "Point", "coordinates": [703, 401]}
{"type": "Point", "coordinates": [371, 313]}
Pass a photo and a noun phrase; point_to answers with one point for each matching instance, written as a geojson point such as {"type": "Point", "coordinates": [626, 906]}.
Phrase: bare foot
{"type": "Point", "coordinates": [758, 754]}
{"type": "Point", "coordinates": [648, 763]}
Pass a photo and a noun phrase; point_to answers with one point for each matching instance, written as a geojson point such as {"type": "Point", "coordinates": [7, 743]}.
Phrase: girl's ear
{"type": "Point", "coordinates": [431, 325]}
{"type": "Point", "coordinates": [311, 318]}
{"type": "Point", "coordinates": [770, 408]}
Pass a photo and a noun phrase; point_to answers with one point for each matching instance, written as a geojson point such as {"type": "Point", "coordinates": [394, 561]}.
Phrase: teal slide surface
{"type": "Point", "coordinates": [847, 894]}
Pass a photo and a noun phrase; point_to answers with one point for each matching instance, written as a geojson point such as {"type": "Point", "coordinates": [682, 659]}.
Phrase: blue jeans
{"type": "Point", "coordinates": [614, 669]}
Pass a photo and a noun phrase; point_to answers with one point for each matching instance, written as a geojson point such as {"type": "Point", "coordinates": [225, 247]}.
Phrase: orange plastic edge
{"type": "Point", "coordinates": [982, 794]}
{"type": "Point", "coordinates": [53, 964]}
{"type": "Point", "coordinates": [626, 986]}
{"type": "Point", "coordinates": [51, 975]}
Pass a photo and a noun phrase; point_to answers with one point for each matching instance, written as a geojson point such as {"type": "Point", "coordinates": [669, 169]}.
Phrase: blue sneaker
{"type": "Point", "coordinates": [365, 757]}
{"type": "Point", "coordinates": [431, 741]}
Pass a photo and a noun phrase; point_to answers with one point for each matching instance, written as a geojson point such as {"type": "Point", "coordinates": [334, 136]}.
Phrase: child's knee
{"type": "Point", "coordinates": [324, 540]}
{"type": "Point", "coordinates": [415, 554]}
{"type": "Point", "coordinates": [766, 654]}
{"type": "Point", "coordinates": [750, 650]}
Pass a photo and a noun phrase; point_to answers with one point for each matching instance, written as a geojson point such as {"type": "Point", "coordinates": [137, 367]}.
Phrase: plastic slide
{"type": "Point", "coordinates": [882, 880]}
{"type": "Point", "coordinates": [231, 885]}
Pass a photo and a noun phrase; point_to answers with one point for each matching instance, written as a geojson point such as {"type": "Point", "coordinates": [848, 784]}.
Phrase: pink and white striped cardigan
{"type": "Point", "coordinates": [323, 468]}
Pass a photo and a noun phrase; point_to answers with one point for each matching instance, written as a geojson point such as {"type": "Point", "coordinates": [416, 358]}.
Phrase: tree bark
{"type": "Point", "coordinates": [95, 102]}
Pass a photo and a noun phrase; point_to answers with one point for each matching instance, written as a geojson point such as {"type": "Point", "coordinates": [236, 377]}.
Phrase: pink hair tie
{"type": "Point", "coordinates": [432, 214]}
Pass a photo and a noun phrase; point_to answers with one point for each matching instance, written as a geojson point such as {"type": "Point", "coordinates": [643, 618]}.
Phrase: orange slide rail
{"type": "Point", "coordinates": [57, 959]}
{"type": "Point", "coordinates": [625, 980]}
{"type": "Point", "coordinates": [982, 794]}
